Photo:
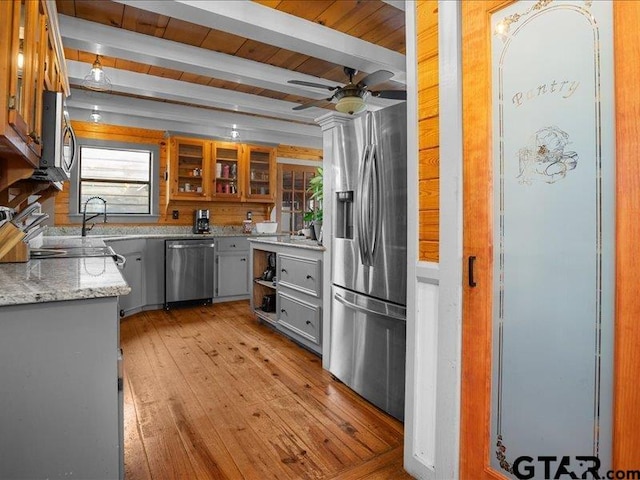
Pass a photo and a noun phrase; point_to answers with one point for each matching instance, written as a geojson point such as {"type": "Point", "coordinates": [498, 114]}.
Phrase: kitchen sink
{"type": "Point", "coordinates": [72, 252]}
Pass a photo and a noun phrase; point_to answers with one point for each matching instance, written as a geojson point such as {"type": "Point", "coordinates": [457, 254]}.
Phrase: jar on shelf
{"type": "Point", "coordinates": [234, 170]}
{"type": "Point", "coordinates": [218, 170]}
{"type": "Point", "coordinates": [225, 171]}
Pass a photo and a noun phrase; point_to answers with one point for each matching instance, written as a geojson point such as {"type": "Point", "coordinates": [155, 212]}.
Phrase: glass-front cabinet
{"type": "Point", "coordinates": [189, 167]}
{"type": "Point", "coordinates": [27, 45]}
{"type": "Point", "coordinates": [227, 168]}
{"type": "Point", "coordinates": [262, 173]}
{"type": "Point", "coordinates": [203, 169]}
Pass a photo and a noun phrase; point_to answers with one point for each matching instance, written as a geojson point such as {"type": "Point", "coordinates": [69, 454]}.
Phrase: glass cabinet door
{"type": "Point", "coordinates": [227, 170]}
{"type": "Point", "coordinates": [261, 170]}
{"type": "Point", "coordinates": [24, 65]}
{"type": "Point", "coordinates": [189, 165]}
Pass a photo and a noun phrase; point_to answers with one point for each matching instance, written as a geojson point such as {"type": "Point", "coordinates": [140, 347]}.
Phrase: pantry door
{"type": "Point", "coordinates": [551, 307]}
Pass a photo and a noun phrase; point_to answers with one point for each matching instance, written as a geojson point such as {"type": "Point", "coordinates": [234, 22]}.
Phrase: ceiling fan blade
{"type": "Point", "coordinates": [392, 94]}
{"type": "Point", "coordinates": [376, 77]}
{"type": "Point", "coordinates": [313, 103]}
{"type": "Point", "coordinates": [311, 84]}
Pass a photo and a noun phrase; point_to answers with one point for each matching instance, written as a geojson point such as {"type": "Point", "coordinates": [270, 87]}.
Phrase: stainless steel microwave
{"type": "Point", "coordinates": [58, 140]}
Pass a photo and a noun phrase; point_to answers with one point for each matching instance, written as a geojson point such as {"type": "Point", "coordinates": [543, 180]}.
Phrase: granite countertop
{"type": "Point", "coordinates": [290, 241]}
{"type": "Point", "coordinates": [118, 232]}
{"type": "Point", "coordinates": [57, 279]}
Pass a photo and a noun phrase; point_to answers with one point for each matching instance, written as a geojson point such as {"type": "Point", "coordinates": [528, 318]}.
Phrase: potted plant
{"type": "Point", "coordinates": [315, 216]}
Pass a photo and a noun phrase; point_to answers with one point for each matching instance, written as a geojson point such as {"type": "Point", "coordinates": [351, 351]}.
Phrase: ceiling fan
{"type": "Point", "coordinates": [351, 97]}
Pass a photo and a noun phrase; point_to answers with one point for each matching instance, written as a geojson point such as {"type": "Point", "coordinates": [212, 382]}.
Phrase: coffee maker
{"type": "Point", "coordinates": [201, 221]}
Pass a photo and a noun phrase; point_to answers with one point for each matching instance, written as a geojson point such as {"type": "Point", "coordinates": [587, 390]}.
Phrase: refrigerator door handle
{"type": "Point", "coordinates": [360, 308]}
{"type": "Point", "coordinates": [365, 206]}
{"type": "Point", "coordinates": [361, 208]}
{"type": "Point", "coordinates": [374, 182]}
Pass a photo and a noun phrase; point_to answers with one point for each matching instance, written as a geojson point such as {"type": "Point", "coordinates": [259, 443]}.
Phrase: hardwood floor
{"type": "Point", "coordinates": [212, 394]}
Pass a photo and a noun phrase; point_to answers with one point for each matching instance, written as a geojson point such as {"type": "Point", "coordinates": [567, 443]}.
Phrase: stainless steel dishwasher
{"type": "Point", "coordinates": [189, 271]}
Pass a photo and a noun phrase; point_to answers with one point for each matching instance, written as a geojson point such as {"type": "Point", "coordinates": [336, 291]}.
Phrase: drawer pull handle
{"type": "Point", "coordinates": [233, 246]}
{"type": "Point", "coordinates": [309, 322]}
{"type": "Point", "coordinates": [309, 277]}
{"type": "Point", "coordinates": [282, 310]}
{"type": "Point", "coordinates": [243, 259]}
{"type": "Point", "coordinates": [283, 270]}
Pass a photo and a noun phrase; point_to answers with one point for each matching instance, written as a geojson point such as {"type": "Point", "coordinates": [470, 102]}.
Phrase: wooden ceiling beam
{"type": "Point", "coordinates": [273, 27]}
{"type": "Point", "coordinates": [159, 88]}
{"type": "Point", "coordinates": [120, 43]}
{"type": "Point", "coordinates": [81, 99]}
{"type": "Point", "coordinates": [192, 128]}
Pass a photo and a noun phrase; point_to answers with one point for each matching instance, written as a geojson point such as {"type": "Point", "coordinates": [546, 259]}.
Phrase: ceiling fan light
{"type": "Point", "coordinates": [350, 105]}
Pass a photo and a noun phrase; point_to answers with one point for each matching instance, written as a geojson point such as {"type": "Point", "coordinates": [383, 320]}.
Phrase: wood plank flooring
{"type": "Point", "coordinates": [212, 394]}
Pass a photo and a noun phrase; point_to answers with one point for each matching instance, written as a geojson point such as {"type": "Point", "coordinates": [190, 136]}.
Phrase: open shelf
{"type": "Point", "coordinates": [268, 317]}
{"type": "Point", "coordinates": [265, 283]}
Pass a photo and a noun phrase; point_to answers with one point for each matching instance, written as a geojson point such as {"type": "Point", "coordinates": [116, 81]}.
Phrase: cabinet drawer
{"type": "Point", "coordinates": [301, 274]}
{"type": "Point", "coordinates": [232, 244]}
{"type": "Point", "coordinates": [299, 317]}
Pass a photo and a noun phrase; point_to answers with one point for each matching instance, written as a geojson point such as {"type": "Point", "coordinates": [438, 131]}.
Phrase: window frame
{"type": "Point", "coordinates": [75, 209]}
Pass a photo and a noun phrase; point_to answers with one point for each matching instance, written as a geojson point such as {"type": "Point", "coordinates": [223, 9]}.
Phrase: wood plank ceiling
{"type": "Point", "coordinates": [200, 67]}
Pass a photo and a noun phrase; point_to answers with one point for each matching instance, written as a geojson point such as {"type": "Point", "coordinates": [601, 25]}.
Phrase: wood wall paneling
{"type": "Point", "coordinates": [222, 213]}
{"type": "Point", "coordinates": [428, 129]}
{"type": "Point", "coordinates": [626, 430]}
{"type": "Point", "coordinates": [302, 153]}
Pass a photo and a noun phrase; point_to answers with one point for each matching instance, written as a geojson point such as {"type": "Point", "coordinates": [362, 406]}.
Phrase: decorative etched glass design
{"type": "Point", "coordinates": [553, 234]}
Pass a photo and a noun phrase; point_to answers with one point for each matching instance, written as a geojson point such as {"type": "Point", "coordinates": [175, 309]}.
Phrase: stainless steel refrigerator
{"type": "Point", "coordinates": [368, 311]}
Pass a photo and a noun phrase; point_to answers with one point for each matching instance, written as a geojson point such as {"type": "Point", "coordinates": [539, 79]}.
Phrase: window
{"type": "Point", "coordinates": [293, 200]}
{"type": "Point", "coordinates": [123, 174]}
{"type": "Point", "coordinates": [121, 177]}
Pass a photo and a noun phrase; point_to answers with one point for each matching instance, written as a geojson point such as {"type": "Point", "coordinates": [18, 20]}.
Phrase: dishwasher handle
{"type": "Point", "coordinates": [187, 245]}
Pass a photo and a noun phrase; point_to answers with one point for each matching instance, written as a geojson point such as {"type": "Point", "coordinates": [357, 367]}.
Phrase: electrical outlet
{"type": "Point", "coordinates": [175, 214]}
{"type": "Point", "coordinates": [249, 215]}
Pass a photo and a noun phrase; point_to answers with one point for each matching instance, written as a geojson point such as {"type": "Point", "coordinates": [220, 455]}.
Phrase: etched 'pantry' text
{"type": "Point", "coordinates": [563, 88]}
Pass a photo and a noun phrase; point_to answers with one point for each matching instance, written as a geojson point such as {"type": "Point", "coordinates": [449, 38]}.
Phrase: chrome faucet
{"type": "Point", "coordinates": [84, 215]}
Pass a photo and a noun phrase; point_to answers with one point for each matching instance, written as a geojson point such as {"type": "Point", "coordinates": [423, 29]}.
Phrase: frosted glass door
{"type": "Point", "coordinates": [553, 232]}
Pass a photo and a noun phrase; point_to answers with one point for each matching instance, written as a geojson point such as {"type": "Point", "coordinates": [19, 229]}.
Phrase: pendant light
{"type": "Point", "coordinates": [95, 115]}
{"type": "Point", "coordinates": [97, 79]}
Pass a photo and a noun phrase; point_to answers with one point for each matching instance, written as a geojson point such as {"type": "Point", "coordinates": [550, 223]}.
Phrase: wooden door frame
{"type": "Point", "coordinates": [475, 443]}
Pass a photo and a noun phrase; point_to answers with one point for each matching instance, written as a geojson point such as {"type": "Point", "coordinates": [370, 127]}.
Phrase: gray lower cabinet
{"type": "Point", "coordinates": [153, 260]}
{"type": "Point", "coordinates": [133, 272]}
{"type": "Point", "coordinates": [59, 390]}
{"type": "Point", "coordinates": [232, 279]}
{"type": "Point", "coordinates": [232, 268]}
{"type": "Point", "coordinates": [144, 271]}
{"type": "Point", "coordinates": [298, 291]}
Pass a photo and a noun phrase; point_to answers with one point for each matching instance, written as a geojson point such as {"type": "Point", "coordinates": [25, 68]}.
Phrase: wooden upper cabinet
{"type": "Point", "coordinates": [228, 171]}
{"type": "Point", "coordinates": [30, 49]}
{"type": "Point", "coordinates": [261, 174]}
{"type": "Point", "coordinates": [189, 169]}
{"type": "Point", "coordinates": [209, 170]}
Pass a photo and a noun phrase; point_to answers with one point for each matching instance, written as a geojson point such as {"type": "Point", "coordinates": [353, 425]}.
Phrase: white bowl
{"type": "Point", "coordinates": [267, 227]}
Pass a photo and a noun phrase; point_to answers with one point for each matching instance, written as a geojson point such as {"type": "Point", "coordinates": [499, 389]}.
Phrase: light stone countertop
{"type": "Point", "coordinates": [57, 279]}
{"type": "Point", "coordinates": [289, 241]}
